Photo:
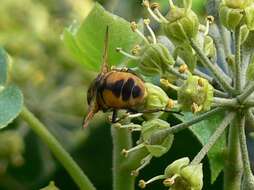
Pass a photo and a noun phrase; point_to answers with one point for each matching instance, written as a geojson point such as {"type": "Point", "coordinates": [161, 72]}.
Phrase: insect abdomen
{"type": "Point", "coordinates": [122, 90]}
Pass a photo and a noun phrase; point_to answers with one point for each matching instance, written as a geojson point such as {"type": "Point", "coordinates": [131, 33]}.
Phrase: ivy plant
{"type": "Point", "coordinates": [210, 66]}
{"type": "Point", "coordinates": [205, 64]}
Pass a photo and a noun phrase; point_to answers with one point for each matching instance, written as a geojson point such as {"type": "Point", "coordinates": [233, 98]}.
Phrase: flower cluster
{"type": "Point", "coordinates": [202, 76]}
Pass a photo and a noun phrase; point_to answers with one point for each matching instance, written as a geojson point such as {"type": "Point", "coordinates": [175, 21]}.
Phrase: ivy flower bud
{"type": "Point", "coordinates": [51, 186]}
{"type": "Point", "coordinates": [249, 16]}
{"type": "Point", "coordinates": [176, 166]}
{"type": "Point", "coordinates": [156, 145]}
{"type": "Point", "coordinates": [236, 12]}
{"type": "Point", "coordinates": [230, 17]}
{"type": "Point", "coordinates": [209, 48]}
{"type": "Point", "coordinates": [182, 24]}
{"type": "Point", "coordinates": [181, 175]}
{"type": "Point", "coordinates": [187, 54]}
{"type": "Point", "coordinates": [237, 4]}
{"type": "Point", "coordinates": [193, 175]}
{"type": "Point", "coordinates": [155, 58]}
{"type": "Point", "coordinates": [156, 99]}
{"type": "Point", "coordinates": [196, 94]}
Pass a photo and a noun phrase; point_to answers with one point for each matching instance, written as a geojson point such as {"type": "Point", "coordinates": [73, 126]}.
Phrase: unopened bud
{"type": "Point", "coordinates": [182, 24]}
{"type": "Point", "coordinates": [156, 99]}
{"type": "Point", "coordinates": [154, 59]}
{"type": "Point", "coordinates": [195, 95]}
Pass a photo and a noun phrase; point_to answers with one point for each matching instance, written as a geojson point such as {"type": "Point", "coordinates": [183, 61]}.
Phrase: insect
{"type": "Point", "coordinates": [114, 89]}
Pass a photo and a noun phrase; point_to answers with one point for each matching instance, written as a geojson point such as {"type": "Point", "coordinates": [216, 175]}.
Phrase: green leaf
{"type": "Point", "coordinates": [11, 101]}
{"type": "Point", "coordinates": [203, 131]}
{"type": "Point", "coordinates": [86, 41]}
{"type": "Point", "coordinates": [3, 67]}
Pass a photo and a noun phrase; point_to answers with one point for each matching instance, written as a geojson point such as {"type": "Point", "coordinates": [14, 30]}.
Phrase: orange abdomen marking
{"type": "Point", "coordinates": [121, 90]}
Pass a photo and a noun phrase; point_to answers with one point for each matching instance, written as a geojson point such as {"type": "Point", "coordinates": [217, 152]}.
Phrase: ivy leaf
{"type": "Point", "coordinates": [86, 41]}
{"type": "Point", "coordinates": [3, 67]}
{"type": "Point", "coordinates": [11, 101]}
{"type": "Point", "coordinates": [203, 131]}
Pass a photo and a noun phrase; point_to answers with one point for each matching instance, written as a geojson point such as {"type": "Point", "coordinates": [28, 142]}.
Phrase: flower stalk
{"type": "Point", "coordinates": [63, 157]}
{"type": "Point", "coordinates": [213, 139]}
{"type": "Point", "coordinates": [245, 156]}
{"type": "Point", "coordinates": [233, 163]}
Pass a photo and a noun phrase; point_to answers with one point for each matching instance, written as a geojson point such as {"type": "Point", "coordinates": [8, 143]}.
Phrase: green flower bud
{"type": "Point", "coordinates": [195, 95]}
{"type": "Point", "coordinates": [51, 186]}
{"type": "Point", "coordinates": [176, 166]}
{"type": "Point", "coordinates": [193, 175]}
{"type": "Point", "coordinates": [250, 70]}
{"type": "Point", "coordinates": [156, 99]}
{"type": "Point", "coordinates": [209, 48]}
{"type": "Point", "coordinates": [155, 59]}
{"type": "Point", "coordinates": [235, 12]}
{"type": "Point", "coordinates": [230, 17]}
{"type": "Point", "coordinates": [182, 24]}
{"type": "Point", "coordinates": [156, 145]}
{"type": "Point", "coordinates": [188, 55]}
{"type": "Point", "coordinates": [180, 175]}
{"type": "Point", "coordinates": [249, 16]}
{"type": "Point", "coordinates": [237, 4]}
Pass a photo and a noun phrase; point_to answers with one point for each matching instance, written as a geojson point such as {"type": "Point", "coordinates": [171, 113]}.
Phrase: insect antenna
{"type": "Point", "coordinates": [105, 67]}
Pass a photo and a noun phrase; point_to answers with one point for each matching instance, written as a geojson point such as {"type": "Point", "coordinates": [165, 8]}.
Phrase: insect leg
{"type": "Point", "coordinates": [114, 116]}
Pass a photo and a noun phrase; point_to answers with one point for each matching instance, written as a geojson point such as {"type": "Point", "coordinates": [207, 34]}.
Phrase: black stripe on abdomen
{"type": "Point", "coordinates": [127, 89]}
{"type": "Point", "coordinates": [136, 91]}
{"type": "Point", "coordinates": [116, 87]}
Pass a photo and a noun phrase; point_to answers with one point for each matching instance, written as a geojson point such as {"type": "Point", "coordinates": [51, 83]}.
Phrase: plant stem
{"type": "Point", "coordinates": [63, 157]}
{"type": "Point", "coordinates": [238, 78]}
{"type": "Point", "coordinates": [213, 139]}
{"type": "Point", "coordinates": [250, 116]}
{"type": "Point", "coordinates": [225, 102]}
{"type": "Point", "coordinates": [220, 93]}
{"type": "Point", "coordinates": [226, 38]}
{"type": "Point", "coordinates": [122, 180]}
{"type": "Point", "coordinates": [220, 76]}
{"type": "Point", "coordinates": [220, 46]}
{"type": "Point", "coordinates": [246, 93]}
{"type": "Point", "coordinates": [249, 103]}
{"type": "Point", "coordinates": [176, 73]}
{"type": "Point", "coordinates": [204, 75]}
{"type": "Point", "coordinates": [244, 150]}
{"type": "Point", "coordinates": [233, 163]}
{"type": "Point", "coordinates": [187, 124]}
{"type": "Point", "coordinates": [245, 63]}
